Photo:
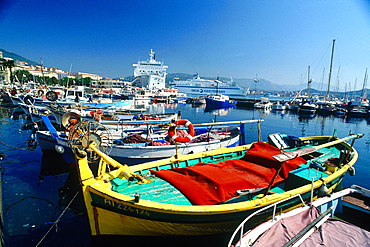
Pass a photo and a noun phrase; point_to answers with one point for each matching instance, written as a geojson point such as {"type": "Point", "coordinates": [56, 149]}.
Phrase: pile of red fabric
{"type": "Point", "coordinates": [209, 184]}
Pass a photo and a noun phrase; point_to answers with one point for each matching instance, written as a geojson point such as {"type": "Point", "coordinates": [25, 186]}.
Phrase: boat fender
{"type": "Point", "coordinates": [323, 190]}
{"type": "Point", "coordinates": [352, 171]}
{"type": "Point", "coordinates": [59, 149]}
{"type": "Point", "coordinates": [29, 100]}
{"type": "Point", "coordinates": [186, 123]}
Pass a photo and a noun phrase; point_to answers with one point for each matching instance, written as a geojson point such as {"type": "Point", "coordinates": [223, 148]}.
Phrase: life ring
{"type": "Point", "coordinates": [40, 93]}
{"type": "Point", "coordinates": [51, 95]}
{"type": "Point", "coordinates": [186, 123]}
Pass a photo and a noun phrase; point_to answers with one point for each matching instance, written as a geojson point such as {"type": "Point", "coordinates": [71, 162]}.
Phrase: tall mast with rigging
{"type": "Point", "coordinates": [364, 90]}
{"type": "Point", "coordinates": [309, 83]}
{"type": "Point", "coordinates": [331, 66]}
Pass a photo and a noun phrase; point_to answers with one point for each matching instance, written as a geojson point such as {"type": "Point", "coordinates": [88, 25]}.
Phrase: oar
{"type": "Point", "coordinates": [300, 152]}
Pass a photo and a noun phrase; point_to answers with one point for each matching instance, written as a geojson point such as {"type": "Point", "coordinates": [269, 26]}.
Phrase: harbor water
{"type": "Point", "coordinates": [41, 203]}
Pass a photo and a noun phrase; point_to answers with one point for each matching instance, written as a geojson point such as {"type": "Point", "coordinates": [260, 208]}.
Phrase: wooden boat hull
{"type": "Point", "coordinates": [112, 217]}
{"type": "Point", "coordinates": [130, 213]}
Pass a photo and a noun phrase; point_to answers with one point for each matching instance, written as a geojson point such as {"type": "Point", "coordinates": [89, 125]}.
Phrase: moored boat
{"type": "Point", "coordinates": [146, 140]}
{"type": "Point", "coordinates": [280, 106]}
{"type": "Point", "coordinates": [209, 192]}
{"type": "Point", "coordinates": [310, 225]}
{"type": "Point", "coordinates": [110, 118]}
{"type": "Point", "coordinates": [339, 110]}
{"type": "Point", "coordinates": [358, 111]}
{"type": "Point", "coordinates": [307, 107]}
{"type": "Point", "coordinates": [264, 104]}
{"type": "Point", "coordinates": [219, 100]}
{"type": "Point", "coordinates": [150, 74]}
{"type": "Point", "coordinates": [197, 86]}
{"type": "Point", "coordinates": [198, 101]}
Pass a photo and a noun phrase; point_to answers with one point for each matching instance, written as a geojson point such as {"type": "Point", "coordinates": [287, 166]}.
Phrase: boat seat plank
{"type": "Point", "coordinates": [358, 201]}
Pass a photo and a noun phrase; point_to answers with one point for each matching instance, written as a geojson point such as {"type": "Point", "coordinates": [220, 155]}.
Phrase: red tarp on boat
{"type": "Point", "coordinates": [209, 184]}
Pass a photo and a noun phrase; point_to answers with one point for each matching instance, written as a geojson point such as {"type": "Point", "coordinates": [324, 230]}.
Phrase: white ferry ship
{"type": "Point", "coordinates": [150, 74]}
{"type": "Point", "coordinates": [197, 87]}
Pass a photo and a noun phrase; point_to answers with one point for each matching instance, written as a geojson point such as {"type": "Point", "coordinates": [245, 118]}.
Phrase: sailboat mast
{"type": "Point", "coordinates": [308, 85]}
{"type": "Point", "coordinates": [337, 86]}
{"type": "Point", "coordinates": [363, 94]}
{"type": "Point", "coordinates": [322, 83]}
{"type": "Point", "coordinates": [331, 67]}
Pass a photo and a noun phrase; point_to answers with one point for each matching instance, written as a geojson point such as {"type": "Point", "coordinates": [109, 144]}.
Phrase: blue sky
{"type": "Point", "coordinates": [276, 39]}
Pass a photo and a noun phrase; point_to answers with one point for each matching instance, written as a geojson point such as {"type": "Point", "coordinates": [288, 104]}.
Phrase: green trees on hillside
{"type": "Point", "coordinates": [23, 76]}
{"type": "Point", "coordinates": [8, 64]}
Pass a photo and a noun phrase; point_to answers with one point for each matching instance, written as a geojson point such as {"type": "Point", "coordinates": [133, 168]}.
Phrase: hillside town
{"type": "Point", "coordinates": [18, 72]}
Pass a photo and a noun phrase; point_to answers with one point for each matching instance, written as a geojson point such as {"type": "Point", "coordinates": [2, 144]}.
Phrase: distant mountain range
{"type": "Point", "coordinates": [263, 84]}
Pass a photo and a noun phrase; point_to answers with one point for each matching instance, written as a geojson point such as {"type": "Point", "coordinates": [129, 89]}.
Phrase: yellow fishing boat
{"type": "Point", "coordinates": [209, 192]}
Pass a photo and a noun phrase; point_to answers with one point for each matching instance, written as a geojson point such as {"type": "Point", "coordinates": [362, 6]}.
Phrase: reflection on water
{"type": "Point", "coordinates": [219, 110]}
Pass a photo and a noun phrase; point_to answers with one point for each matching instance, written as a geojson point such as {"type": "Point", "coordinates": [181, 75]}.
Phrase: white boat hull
{"type": "Point", "coordinates": [194, 90]}
{"type": "Point", "coordinates": [140, 153]}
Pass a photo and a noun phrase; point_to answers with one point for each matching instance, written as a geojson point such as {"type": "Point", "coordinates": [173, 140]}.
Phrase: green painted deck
{"type": "Point", "coordinates": [156, 191]}
{"type": "Point", "coordinates": [162, 192]}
